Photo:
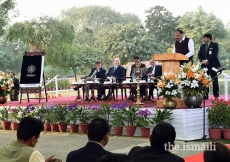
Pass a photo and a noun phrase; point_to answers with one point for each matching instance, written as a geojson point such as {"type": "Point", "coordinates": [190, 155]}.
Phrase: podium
{"type": "Point", "coordinates": [170, 63]}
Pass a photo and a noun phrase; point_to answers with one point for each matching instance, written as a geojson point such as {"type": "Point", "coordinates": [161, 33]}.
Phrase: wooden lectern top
{"type": "Point", "coordinates": [175, 56]}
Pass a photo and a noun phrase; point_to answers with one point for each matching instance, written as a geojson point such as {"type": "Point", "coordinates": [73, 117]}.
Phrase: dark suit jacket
{"type": "Point", "coordinates": [150, 154]}
{"type": "Point", "coordinates": [16, 86]}
{"type": "Point", "coordinates": [90, 153]}
{"type": "Point", "coordinates": [143, 66]}
{"type": "Point", "coordinates": [119, 72]}
{"type": "Point", "coordinates": [100, 74]}
{"type": "Point", "coordinates": [211, 55]}
{"type": "Point", "coordinates": [158, 71]}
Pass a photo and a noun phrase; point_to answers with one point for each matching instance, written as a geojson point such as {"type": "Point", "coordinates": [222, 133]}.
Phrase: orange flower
{"type": "Point", "coordinates": [161, 84]}
{"type": "Point", "coordinates": [4, 88]}
{"type": "Point", "coordinates": [190, 74]}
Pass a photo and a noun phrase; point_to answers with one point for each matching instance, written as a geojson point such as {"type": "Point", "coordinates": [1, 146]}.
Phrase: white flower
{"type": "Point", "coordinates": [20, 114]}
{"type": "Point", "coordinates": [167, 93]}
{"type": "Point", "coordinates": [194, 84]}
{"type": "Point", "coordinates": [169, 85]}
{"type": "Point", "coordinates": [174, 92]}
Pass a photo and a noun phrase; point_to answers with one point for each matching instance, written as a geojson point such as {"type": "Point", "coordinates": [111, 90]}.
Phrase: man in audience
{"type": "Point", "coordinates": [98, 137]}
{"type": "Point", "coordinates": [154, 71]}
{"type": "Point", "coordinates": [114, 72]}
{"type": "Point", "coordinates": [161, 141]}
{"type": "Point", "coordinates": [97, 72]}
{"type": "Point", "coordinates": [23, 150]}
{"type": "Point", "coordinates": [217, 152]}
{"type": "Point", "coordinates": [142, 72]}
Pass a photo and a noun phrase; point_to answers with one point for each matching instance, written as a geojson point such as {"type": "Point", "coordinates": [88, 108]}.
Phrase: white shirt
{"type": "Point", "coordinates": [36, 157]}
{"type": "Point", "coordinates": [153, 72]}
{"type": "Point", "coordinates": [190, 47]}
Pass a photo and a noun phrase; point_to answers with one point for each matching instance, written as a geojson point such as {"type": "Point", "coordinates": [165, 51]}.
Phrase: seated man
{"type": "Point", "coordinates": [98, 137]}
{"type": "Point", "coordinates": [23, 150]}
{"type": "Point", "coordinates": [154, 71]}
{"type": "Point", "coordinates": [97, 72]}
{"type": "Point", "coordinates": [161, 141]}
{"type": "Point", "coordinates": [133, 75]}
{"type": "Point", "coordinates": [115, 71]}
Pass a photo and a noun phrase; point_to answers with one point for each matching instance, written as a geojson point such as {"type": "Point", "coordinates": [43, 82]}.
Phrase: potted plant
{"type": "Point", "coordinates": [72, 117]}
{"type": "Point", "coordinates": [4, 116]}
{"type": "Point", "coordinates": [43, 114]}
{"type": "Point", "coordinates": [5, 83]}
{"type": "Point", "coordinates": [84, 119]}
{"type": "Point", "coordinates": [162, 115]}
{"type": "Point", "coordinates": [17, 113]}
{"type": "Point", "coordinates": [52, 117]}
{"type": "Point", "coordinates": [227, 120]}
{"type": "Point", "coordinates": [61, 113]}
{"type": "Point", "coordinates": [194, 83]}
{"type": "Point", "coordinates": [130, 115]}
{"type": "Point", "coordinates": [168, 87]}
{"type": "Point", "coordinates": [95, 112]}
{"type": "Point", "coordinates": [216, 116]}
{"type": "Point", "coordinates": [143, 122]}
{"type": "Point", "coordinates": [117, 120]}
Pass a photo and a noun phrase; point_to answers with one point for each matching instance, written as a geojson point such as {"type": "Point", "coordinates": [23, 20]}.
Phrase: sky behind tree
{"type": "Point", "coordinates": [29, 9]}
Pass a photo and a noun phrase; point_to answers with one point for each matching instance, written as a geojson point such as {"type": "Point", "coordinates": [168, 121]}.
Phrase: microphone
{"type": "Point", "coordinates": [219, 70]}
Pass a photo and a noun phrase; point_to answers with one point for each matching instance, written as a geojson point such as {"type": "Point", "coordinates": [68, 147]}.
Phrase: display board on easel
{"type": "Point", "coordinates": [32, 75]}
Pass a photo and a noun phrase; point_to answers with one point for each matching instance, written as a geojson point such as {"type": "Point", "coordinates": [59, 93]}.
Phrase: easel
{"type": "Point", "coordinates": [27, 90]}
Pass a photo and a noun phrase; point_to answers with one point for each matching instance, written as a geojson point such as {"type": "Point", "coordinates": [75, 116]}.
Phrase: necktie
{"type": "Point", "coordinates": [206, 49]}
{"type": "Point", "coordinates": [114, 69]}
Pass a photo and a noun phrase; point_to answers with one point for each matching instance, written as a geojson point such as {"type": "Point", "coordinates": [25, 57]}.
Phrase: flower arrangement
{"type": "Point", "coordinates": [73, 113]}
{"type": "Point", "coordinates": [17, 113]}
{"type": "Point", "coordinates": [95, 112]}
{"type": "Point", "coordinates": [193, 78]}
{"type": "Point", "coordinates": [84, 115]}
{"type": "Point", "coordinates": [143, 118]}
{"type": "Point", "coordinates": [4, 114]}
{"type": "Point", "coordinates": [117, 115]}
{"type": "Point", "coordinates": [60, 113]}
{"type": "Point", "coordinates": [130, 114]}
{"type": "Point", "coordinates": [6, 84]}
{"type": "Point", "coordinates": [169, 86]}
{"type": "Point", "coordinates": [219, 114]}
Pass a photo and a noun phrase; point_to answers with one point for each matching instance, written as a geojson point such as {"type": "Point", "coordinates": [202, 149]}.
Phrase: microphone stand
{"type": "Point", "coordinates": [204, 86]}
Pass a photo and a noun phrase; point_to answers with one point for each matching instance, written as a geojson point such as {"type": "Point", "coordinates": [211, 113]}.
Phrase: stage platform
{"type": "Point", "coordinates": [71, 99]}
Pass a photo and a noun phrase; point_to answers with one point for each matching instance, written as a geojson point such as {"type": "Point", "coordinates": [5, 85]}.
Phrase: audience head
{"type": "Point", "coordinates": [163, 136]}
{"type": "Point", "coordinates": [98, 131]}
{"type": "Point", "coordinates": [116, 62]}
{"type": "Point", "coordinates": [152, 62]}
{"type": "Point", "coordinates": [12, 74]}
{"type": "Point", "coordinates": [217, 152]}
{"type": "Point", "coordinates": [179, 34]}
{"type": "Point", "coordinates": [114, 158]}
{"type": "Point", "coordinates": [29, 131]}
{"type": "Point", "coordinates": [207, 38]}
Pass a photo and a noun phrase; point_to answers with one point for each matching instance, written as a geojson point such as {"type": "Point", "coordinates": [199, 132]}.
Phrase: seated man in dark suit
{"type": "Point", "coordinates": [133, 75]}
{"type": "Point", "coordinates": [97, 72]}
{"type": "Point", "coordinates": [161, 141]}
{"type": "Point", "coordinates": [154, 71]}
{"type": "Point", "coordinates": [98, 137]}
{"type": "Point", "coordinates": [114, 72]}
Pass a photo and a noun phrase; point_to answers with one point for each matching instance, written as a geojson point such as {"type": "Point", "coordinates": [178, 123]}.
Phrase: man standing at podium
{"type": "Point", "coordinates": [183, 45]}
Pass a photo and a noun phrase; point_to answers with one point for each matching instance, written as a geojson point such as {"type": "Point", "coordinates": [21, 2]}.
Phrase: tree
{"type": "Point", "coordinates": [161, 24]}
{"type": "Point", "coordinates": [127, 41]}
{"type": "Point", "coordinates": [78, 58]}
{"type": "Point", "coordinates": [42, 32]}
{"type": "Point", "coordinates": [5, 7]}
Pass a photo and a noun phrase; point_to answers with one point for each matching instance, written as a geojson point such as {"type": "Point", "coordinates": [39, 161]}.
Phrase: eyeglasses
{"type": "Point", "coordinates": [151, 62]}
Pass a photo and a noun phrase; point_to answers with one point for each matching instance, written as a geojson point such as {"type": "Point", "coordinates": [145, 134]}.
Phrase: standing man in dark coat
{"type": "Point", "coordinates": [161, 141]}
{"type": "Point", "coordinates": [154, 71]}
{"type": "Point", "coordinates": [183, 45]}
{"type": "Point", "coordinates": [14, 96]}
{"type": "Point", "coordinates": [208, 56]}
{"type": "Point", "coordinates": [98, 137]}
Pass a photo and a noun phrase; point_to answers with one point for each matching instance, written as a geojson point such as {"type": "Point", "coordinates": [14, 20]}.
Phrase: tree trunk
{"type": "Point", "coordinates": [75, 74]}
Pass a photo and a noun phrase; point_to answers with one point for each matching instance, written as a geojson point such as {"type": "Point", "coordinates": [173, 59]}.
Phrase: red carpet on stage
{"type": "Point", "coordinates": [71, 99]}
{"type": "Point", "coordinates": [196, 158]}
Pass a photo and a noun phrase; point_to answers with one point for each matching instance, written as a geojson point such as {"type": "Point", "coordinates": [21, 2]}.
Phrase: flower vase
{"type": "Point", "coordinates": [62, 127]}
{"type": "Point", "coordinates": [130, 130]}
{"type": "Point", "coordinates": [73, 128]}
{"type": "Point", "coordinates": [6, 125]}
{"type": "Point", "coordinates": [54, 128]}
{"type": "Point", "coordinates": [3, 99]}
{"type": "Point", "coordinates": [84, 128]}
{"type": "Point", "coordinates": [145, 132]}
{"type": "Point", "coordinates": [14, 126]}
{"type": "Point", "coordinates": [193, 101]}
{"type": "Point", "coordinates": [215, 133]}
{"type": "Point", "coordinates": [47, 127]}
{"type": "Point", "coordinates": [118, 131]}
{"type": "Point", "coordinates": [169, 103]}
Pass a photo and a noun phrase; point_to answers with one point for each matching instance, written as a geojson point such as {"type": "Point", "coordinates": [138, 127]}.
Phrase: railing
{"type": "Point", "coordinates": [226, 78]}
{"type": "Point", "coordinates": [56, 84]}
